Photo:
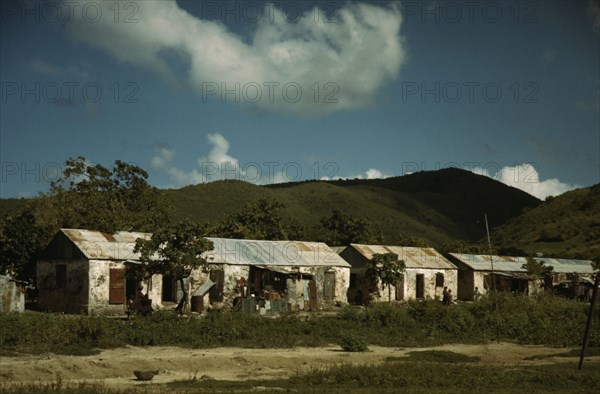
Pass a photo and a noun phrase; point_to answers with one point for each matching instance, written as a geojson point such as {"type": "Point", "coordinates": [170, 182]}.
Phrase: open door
{"type": "Point", "coordinates": [420, 286]}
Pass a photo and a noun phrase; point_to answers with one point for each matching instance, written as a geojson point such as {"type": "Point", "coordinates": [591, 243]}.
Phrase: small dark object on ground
{"type": "Point", "coordinates": [145, 375]}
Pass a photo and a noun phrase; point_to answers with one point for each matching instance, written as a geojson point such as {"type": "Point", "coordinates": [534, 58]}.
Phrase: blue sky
{"type": "Point", "coordinates": [195, 91]}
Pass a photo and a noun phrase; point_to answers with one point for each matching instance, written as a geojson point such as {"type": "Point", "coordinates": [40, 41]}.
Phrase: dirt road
{"type": "Point", "coordinates": [115, 367]}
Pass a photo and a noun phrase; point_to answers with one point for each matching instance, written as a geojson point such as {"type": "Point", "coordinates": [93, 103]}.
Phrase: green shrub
{"type": "Point", "coordinates": [352, 343]}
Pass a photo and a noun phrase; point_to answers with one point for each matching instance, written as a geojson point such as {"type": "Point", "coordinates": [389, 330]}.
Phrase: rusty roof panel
{"type": "Point", "coordinates": [413, 257]}
{"type": "Point", "coordinates": [482, 262]}
{"type": "Point", "coordinates": [273, 253]}
{"type": "Point", "coordinates": [95, 245]}
{"type": "Point", "coordinates": [514, 264]}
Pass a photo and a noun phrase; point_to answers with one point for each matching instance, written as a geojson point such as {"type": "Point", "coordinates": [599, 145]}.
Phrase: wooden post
{"type": "Point", "coordinates": [588, 324]}
{"type": "Point", "coordinates": [487, 230]}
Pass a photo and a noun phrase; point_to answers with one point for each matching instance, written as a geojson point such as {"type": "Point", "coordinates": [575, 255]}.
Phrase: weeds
{"type": "Point", "coordinates": [540, 320]}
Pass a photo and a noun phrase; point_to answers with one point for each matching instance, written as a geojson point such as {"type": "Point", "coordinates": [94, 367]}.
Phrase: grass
{"type": "Point", "coordinates": [589, 352]}
{"type": "Point", "coordinates": [389, 377]}
{"type": "Point", "coordinates": [542, 320]}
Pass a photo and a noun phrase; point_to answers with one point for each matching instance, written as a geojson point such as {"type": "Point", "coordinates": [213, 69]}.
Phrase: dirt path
{"type": "Point", "coordinates": [115, 367]}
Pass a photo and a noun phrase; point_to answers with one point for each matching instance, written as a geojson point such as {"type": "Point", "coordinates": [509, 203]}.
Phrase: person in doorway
{"type": "Point", "coordinates": [476, 294]}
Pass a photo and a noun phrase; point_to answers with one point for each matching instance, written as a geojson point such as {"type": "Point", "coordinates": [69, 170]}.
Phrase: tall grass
{"type": "Point", "coordinates": [541, 320]}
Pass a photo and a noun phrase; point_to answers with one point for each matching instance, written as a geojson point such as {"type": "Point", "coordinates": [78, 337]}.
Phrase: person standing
{"type": "Point", "coordinates": [445, 296]}
{"type": "Point", "coordinates": [476, 294]}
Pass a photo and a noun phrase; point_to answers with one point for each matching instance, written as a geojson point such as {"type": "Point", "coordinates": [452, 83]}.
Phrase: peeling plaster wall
{"type": "Point", "coordinates": [73, 298]}
{"type": "Point", "coordinates": [12, 295]}
{"type": "Point", "coordinates": [430, 291]}
{"type": "Point", "coordinates": [233, 272]}
{"type": "Point", "coordinates": [99, 277]}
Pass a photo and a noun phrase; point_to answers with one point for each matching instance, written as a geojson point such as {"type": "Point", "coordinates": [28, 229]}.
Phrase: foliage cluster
{"type": "Point", "coordinates": [543, 320]}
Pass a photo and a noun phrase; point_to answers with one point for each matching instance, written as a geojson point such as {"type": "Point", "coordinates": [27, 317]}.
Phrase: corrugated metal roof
{"type": "Point", "coordinates": [273, 253]}
{"type": "Point", "coordinates": [481, 262]}
{"type": "Point", "coordinates": [568, 265]}
{"type": "Point", "coordinates": [514, 264]}
{"type": "Point", "coordinates": [96, 245]}
{"type": "Point", "coordinates": [413, 257]}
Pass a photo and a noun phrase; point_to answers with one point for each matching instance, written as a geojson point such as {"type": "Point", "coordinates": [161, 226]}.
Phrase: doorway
{"type": "Point", "coordinates": [420, 286]}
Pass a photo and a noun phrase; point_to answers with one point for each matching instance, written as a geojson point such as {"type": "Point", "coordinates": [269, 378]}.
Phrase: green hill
{"type": "Point", "coordinates": [439, 206]}
{"type": "Point", "coordinates": [566, 226]}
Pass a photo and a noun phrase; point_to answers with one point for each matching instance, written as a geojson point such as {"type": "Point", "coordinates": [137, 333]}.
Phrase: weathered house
{"type": "Point", "coordinates": [476, 271]}
{"type": "Point", "coordinates": [12, 294]}
{"type": "Point", "coordinates": [84, 271]}
{"type": "Point", "coordinates": [427, 273]}
{"type": "Point", "coordinates": [570, 278]}
{"type": "Point", "coordinates": [308, 275]}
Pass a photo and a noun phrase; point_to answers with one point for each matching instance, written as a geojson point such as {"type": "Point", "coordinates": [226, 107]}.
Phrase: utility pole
{"type": "Point", "coordinates": [487, 230]}
{"type": "Point", "coordinates": [588, 324]}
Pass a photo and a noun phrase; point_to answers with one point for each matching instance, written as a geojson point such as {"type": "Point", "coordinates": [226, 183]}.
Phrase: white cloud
{"type": "Point", "coordinates": [218, 164]}
{"type": "Point", "coordinates": [359, 53]}
{"type": "Point", "coordinates": [526, 177]}
{"type": "Point", "coordinates": [371, 173]}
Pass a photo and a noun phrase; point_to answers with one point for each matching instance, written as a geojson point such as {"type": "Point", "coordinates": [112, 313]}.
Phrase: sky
{"type": "Point", "coordinates": [270, 92]}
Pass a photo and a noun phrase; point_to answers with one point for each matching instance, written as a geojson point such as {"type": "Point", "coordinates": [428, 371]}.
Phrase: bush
{"type": "Point", "coordinates": [351, 343]}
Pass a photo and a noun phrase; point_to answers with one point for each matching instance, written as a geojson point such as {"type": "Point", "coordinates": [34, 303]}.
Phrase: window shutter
{"type": "Point", "coordinates": [116, 292]}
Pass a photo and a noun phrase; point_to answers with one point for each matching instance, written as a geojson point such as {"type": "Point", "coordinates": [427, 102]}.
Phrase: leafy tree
{"type": "Point", "coordinates": [174, 250]}
{"type": "Point", "coordinates": [85, 196]}
{"type": "Point", "coordinates": [341, 229]}
{"type": "Point", "coordinates": [260, 219]}
{"type": "Point", "coordinates": [20, 241]}
{"type": "Point", "coordinates": [537, 269]}
{"type": "Point", "coordinates": [465, 247]}
{"type": "Point", "coordinates": [384, 269]}
{"type": "Point", "coordinates": [412, 240]}
{"type": "Point", "coordinates": [95, 197]}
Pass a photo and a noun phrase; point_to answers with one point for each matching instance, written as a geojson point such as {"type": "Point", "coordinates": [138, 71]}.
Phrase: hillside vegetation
{"type": "Point", "coordinates": [439, 206]}
{"type": "Point", "coordinates": [564, 226]}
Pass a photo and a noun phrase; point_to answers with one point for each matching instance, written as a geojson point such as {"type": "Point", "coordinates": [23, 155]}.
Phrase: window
{"type": "Point", "coordinates": [439, 280]}
{"type": "Point", "coordinates": [61, 276]}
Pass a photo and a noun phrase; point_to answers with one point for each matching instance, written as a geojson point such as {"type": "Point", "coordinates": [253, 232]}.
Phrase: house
{"type": "Point", "coordinates": [84, 271]}
{"type": "Point", "coordinates": [476, 271]}
{"type": "Point", "coordinates": [570, 278]}
{"type": "Point", "coordinates": [427, 272]}
{"type": "Point", "coordinates": [307, 275]}
{"type": "Point", "coordinates": [12, 294]}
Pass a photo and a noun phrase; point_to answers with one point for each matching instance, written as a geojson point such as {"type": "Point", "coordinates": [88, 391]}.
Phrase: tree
{"type": "Point", "coordinates": [260, 219]}
{"type": "Point", "coordinates": [384, 269]}
{"type": "Point", "coordinates": [174, 250]}
{"type": "Point", "coordinates": [537, 269]}
{"type": "Point", "coordinates": [21, 239]}
{"type": "Point", "coordinates": [95, 197]}
{"type": "Point", "coordinates": [341, 229]}
{"type": "Point", "coordinates": [412, 240]}
{"type": "Point", "coordinates": [85, 196]}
